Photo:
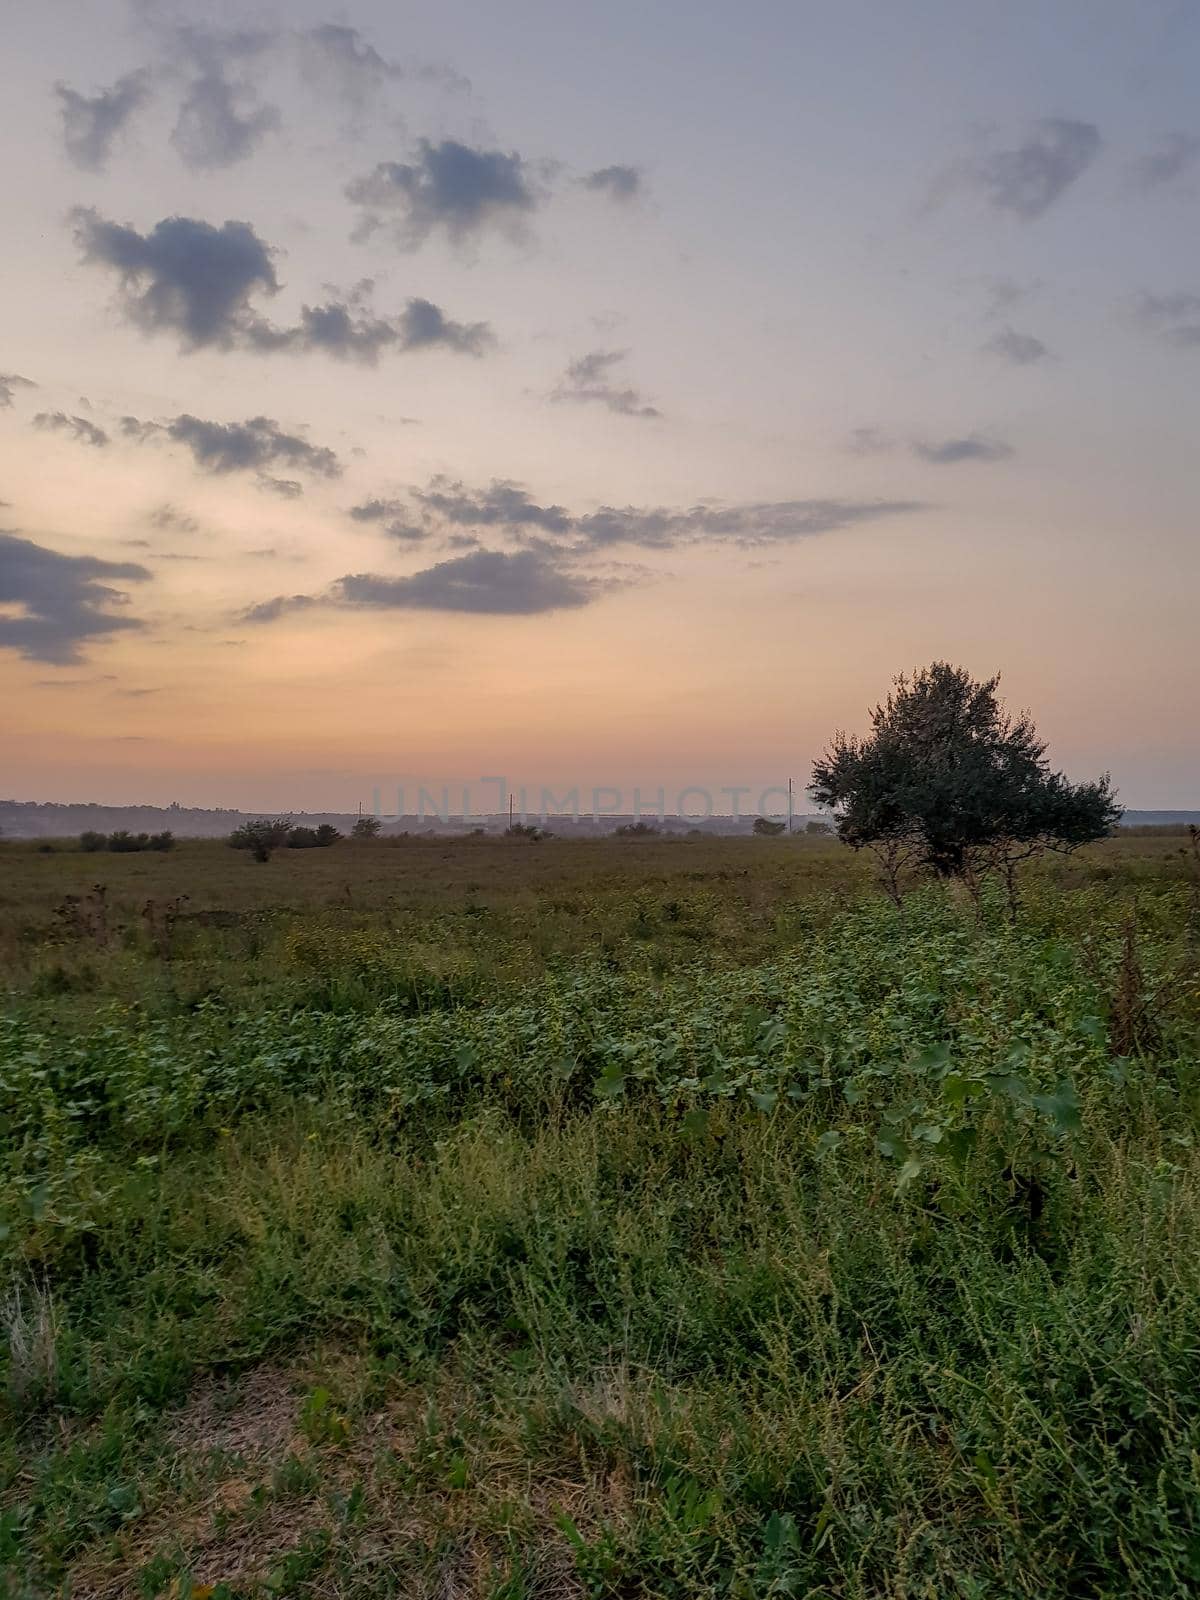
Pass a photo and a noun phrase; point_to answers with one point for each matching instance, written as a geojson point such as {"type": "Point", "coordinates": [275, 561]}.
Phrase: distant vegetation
{"type": "Point", "coordinates": [124, 843]}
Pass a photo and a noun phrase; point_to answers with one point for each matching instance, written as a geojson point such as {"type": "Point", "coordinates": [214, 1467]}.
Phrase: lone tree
{"type": "Point", "coordinates": [948, 782]}
{"type": "Point", "coordinates": [261, 836]}
{"type": "Point", "coordinates": [366, 828]}
{"type": "Point", "coordinates": [766, 828]}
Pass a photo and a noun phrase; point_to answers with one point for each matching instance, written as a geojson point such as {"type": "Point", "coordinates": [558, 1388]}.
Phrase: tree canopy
{"type": "Point", "coordinates": [948, 781]}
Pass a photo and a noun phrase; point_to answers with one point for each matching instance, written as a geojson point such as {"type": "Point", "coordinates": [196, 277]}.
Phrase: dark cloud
{"type": "Point", "coordinates": [91, 123]}
{"type": "Point", "coordinates": [485, 582]}
{"type": "Point", "coordinates": [221, 120]}
{"type": "Point", "coordinates": [971, 447]}
{"type": "Point", "coordinates": [184, 276]}
{"type": "Point", "coordinates": [1029, 178]}
{"type": "Point", "coordinates": [198, 281]}
{"type": "Point", "coordinates": [1175, 155]}
{"type": "Point", "coordinates": [619, 183]}
{"type": "Point", "coordinates": [1022, 349]}
{"type": "Point", "coordinates": [10, 382]}
{"type": "Point", "coordinates": [350, 333]}
{"type": "Point", "coordinates": [64, 600]}
{"type": "Point", "coordinates": [78, 427]}
{"type": "Point", "coordinates": [870, 442]}
{"type": "Point", "coordinates": [1175, 318]}
{"type": "Point", "coordinates": [503, 505]}
{"type": "Point", "coordinates": [450, 187]}
{"type": "Point", "coordinates": [446, 508]}
{"type": "Point", "coordinates": [250, 446]}
{"type": "Point", "coordinates": [587, 380]}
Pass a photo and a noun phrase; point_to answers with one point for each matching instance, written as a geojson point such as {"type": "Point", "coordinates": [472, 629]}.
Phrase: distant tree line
{"type": "Point", "coordinates": [122, 842]}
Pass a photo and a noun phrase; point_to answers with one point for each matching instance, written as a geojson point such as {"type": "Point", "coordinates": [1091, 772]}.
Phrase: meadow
{"type": "Point", "coordinates": [655, 1217]}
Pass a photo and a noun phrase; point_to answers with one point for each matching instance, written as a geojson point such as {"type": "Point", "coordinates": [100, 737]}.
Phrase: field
{"type": "Point", "coordinates": [621, 1218]}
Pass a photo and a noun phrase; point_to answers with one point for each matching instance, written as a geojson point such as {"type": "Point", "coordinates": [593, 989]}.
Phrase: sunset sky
{"type": "Point", "coordinates": [590, 394]}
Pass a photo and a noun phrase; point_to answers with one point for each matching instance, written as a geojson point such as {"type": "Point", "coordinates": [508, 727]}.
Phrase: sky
{"type": "Point", "coordinates": [589, 395]}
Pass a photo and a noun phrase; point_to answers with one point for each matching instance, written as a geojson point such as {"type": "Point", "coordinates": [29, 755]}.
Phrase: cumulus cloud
{"type": "Point", "coordinates": [350, 332]}
{"type": "Point", "coordinates": [587, 381]}
{"type": "Point", "coordinates": [1022, 349]}
{"type": "Point", "coordinates": [250, 446]}
{"type": "Point", "coordinates": [199, 281]}
{"type": "Point", "coordinates": [1027, 179]}
{"type": "Point", "coordinates": [971, 447]}
{"type": "Point", "coordinates": [1175, 318]}
{"type": "Point", "coordinates": [91, 123]}
{"type": "Point", "coordinates": [452, 188]}
{"type": "Point", "coordinates": [1173, 157]}
{"type": "Point", "coordinates": [78, 427]}
{"type": "Point", "coordinates": [221, 120]}
{"type": "Point", "coordinates": [61, 602]}
{"type": "Point", "coordinates": [10, 382]}
{"type": "Point", "coordinates": [184, 276]}
{"type": "Point", "coordinates": [617, 182]}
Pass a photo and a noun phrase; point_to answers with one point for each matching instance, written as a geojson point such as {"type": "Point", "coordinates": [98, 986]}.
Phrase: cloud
{"type": "Point", "coordinates": [971, 447]}
{"type": "Point", "coordinates": [1029, 178]}
{"type": "Point", "coordinates": [1174, 155]}
{"type": "Point", "coordinates": [10, 382]}
{"type": "Point", "coordinates": [286, 488]}
{"type": "Point", "coordinates": [62, 600]}
{"type": "Point", "coordinates": [586, 380]}
{"type": "Point", "coordinates": [349, 333]}
{"type": "Point", "coordinates": [338, 59]}
{"type": "Point", "coordinates": [169, 519]}
{"type": "Point", "coordinates": [617, 182]}
{"type": "Point", "coordinates": [1175, 318]}
{"type": "Point", "coordinates": [450, 187]}
{"type": "Point", "coordinates": [91, 123]}
{"type": "Point", "coordinates": [78, 427]}
{"type": "Point", "coordinates": [221, 120]}
{"type": "Point", "coordinates": [1022, 349]}
{"type": "Point", "coordinates": [485, 582]}
{"type": "Point", "coordinates": [870, 442]}
{"type": "Point", "coordinates": [250, 446]}
{"type": "Point", "coordinates": [184, 276]}
{"type": "Point", "coordinates": [447, 507]}
{"type": "Point", "coordinates": [198, 281]}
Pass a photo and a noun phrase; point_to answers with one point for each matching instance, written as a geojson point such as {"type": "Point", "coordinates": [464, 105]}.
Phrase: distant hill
{"type": "Point", "coordinates": [35, 819]}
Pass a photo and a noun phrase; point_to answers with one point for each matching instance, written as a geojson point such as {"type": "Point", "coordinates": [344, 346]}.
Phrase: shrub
{"type": "Point", "coordinates": [261, 836]}
{"type": "Point", "coordinates": [91, 841]}
{"type": "Point", "coordinates": [327, 834]}
{"type": "Point", "coordinates": [366, 828]}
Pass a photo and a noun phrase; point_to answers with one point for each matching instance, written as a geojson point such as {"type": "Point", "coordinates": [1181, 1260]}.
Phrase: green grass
{"type": "Point", "coordinates": [699, 1225]}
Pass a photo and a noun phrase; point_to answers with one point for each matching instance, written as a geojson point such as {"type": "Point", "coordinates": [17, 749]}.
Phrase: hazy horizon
{"type": "Point", "coordinates": [592, 397]}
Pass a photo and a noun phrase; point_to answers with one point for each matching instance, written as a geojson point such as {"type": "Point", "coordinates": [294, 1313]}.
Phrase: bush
{"type": "Point", "coordinates": [366, 828]}
{"type": "Point", "coordinates": [636, 830]}
{"type": "Point", "coordinates": [91, 841]}
{"type": "Point", "coordinates": [303, 839]}
{"type": "Point", "coordinates": [766, 829]}
{"type": "Point", "coordinates": [261, 836]}
{"type": "Point", "coordinates": [327, 834]}
{"type": "Point", "coordinates": [162, 841]}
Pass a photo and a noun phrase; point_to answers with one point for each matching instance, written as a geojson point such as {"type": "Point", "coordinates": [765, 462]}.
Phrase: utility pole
{"type": "Point", "coordinates": [789, 805]}
{"type": "Point", "coordinates": [510, 808]}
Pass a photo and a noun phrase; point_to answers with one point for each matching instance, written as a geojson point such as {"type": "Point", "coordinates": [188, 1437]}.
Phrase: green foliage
{"type": "Point", "coordinates": [743, 1244]}
{"type": "Point", "coordinates": [366, 828]}
{"type": "Point", "coordinates": [949, 782]}
{"type": "Point", "coordinates": [262, 836]}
